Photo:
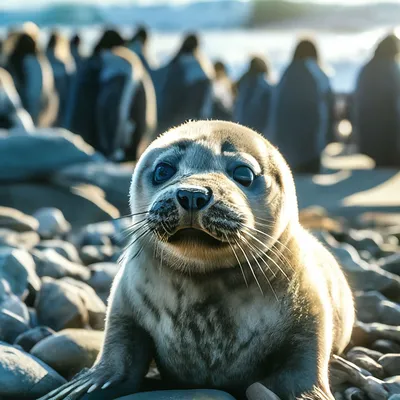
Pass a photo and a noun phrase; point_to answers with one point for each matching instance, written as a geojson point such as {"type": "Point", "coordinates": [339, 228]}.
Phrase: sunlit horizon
{"type": "Point", "coordinates": [22, 3]}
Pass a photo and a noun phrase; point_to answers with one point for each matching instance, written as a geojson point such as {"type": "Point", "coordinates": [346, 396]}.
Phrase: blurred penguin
{"type": "Point", "coordinates": [138, 44]}
{"type": "Point", "coordinates": [75, 48]}
{"type": "Point", "coordinates": [63, 66]}
{"type": "Point", "coordinates": [223, 93]}
{"type": "Point", "coordinates": [186, 92]}
{"type": "Point", "coordinates": [110, 39]}
{"type": "Point", "coordinates": [376, 105]}
{"type": "Point", "coordinates": [12, 115]}
{"type": "Point", "coordinates": [33, 78]}
{"type": "Point", "coordinates": [81, 109]}
{"type": "Point", "coordinates": [254, 94]}
{"type": "Point", "coordinates": [301, 121]}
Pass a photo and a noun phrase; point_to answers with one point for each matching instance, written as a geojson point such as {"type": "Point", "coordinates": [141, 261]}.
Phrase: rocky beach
{"type": "Point", "coordinates": [63, 227]}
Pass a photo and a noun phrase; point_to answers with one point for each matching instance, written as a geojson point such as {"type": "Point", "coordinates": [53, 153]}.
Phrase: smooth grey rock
{"type": "Point", "coordinates": [18, 269]}
{"type": "Point", "coordinates": [22, 375]}
{"type": "Point", "coordinates": [102, 276]}
{"type": "Point", "coordinates": [33, 318]}
{"type": "Point", "coordinates": [113, 179]}
{"type": "Point", "coordinates": [33, 336]}
{"type": "Point", "coordinates": [392, 385]}
{"type": "Point", "coordinates": [11, 326]}
{"type": "Point", "coordinates": [375, 355]}
{"type": "Point", "coordinates": [65, 249]}
{"type": "Point", "coordinates": [91, 205]}
{"type": "Point", "coordinates": [200, 394]}
{"type": "Point", "coordinates": [374, 307]}
{"type": "Point", "coordinates": [50, 263]}
{"type": "Point", "coordinates": [70, 350]}
{"type": "Point", "coordinates": [367, 363]}
{"type": "Point", "coordinates": [59, 306]}
{"type": "Point", "coordinates": [52, 223]}
{"type": "Point", "coordinates": [355, 394]}
{"type": "Point", "coordinates": [14, 304]}
{"type": "Point", "coordinates": [16, 220]}
{"type": "Point", "coordinates": [5, 290]}
{"type": "Point", "coordinates": [94, 305]}
{"type": "Point", "coordinates": [391, 264]}
{"type": "Point", "coordinates": [365, 240]}
{"type": "Point", "coordinates": [98, 234]}
{"type": "Point", "coordinates": [391, 364]}
{"type": "Point", "coordinates": [96, 254]}
{"type": "Point", "coordinates": [18, 240]}
{"type": "Point", "coordinates": [386, 346]}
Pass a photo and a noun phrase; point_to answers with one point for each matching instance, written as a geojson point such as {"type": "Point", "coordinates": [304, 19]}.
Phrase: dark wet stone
{"type": "Point", "coordinates": [52, 223]}
{"type": "Point", "coordinates": [375, 355]}
{"type": "Point", "coordinates": [18, 240]}
{"type": "Point", "coordinates": [65, 249]}
{"type": "Point", "coordinates": [70, 350]}
{"type": "Point", "coordinates": [33, 336]}
{"type": "Point", "coordinates": [59, 306]}
{"type": "Point", "coordinates": [18, 269]}
{"type": "Point", "coordinates": [22, 375]}
{"type": "Point", "coordinates": [391, 364]}
{"type": "Point", "coordinates": [386, 346]}
{"type": "Point", "coordinates": [391, 264]}
{"type": "Point", "coordinates": [16, 220]}
{"type": "Point", "coordinates": [11, 326]}
{"type": "Point", "coordinates": [96, 254]}
{"type": "Point", "coordinates": [54, 265]}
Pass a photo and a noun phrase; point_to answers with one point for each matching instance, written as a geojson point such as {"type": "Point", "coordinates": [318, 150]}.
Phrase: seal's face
{"type": "Point", "coordinates": [210, 195]}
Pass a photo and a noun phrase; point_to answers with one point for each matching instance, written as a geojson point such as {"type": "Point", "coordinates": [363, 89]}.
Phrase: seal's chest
{"type": "Point", "coordinates": [212, 339]}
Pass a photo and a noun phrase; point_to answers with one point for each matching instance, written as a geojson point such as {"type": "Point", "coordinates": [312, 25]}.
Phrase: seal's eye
{"type": "Point", "coordinates": [163, 172]}
{"type": "Point", "coordinates": [243, 175]}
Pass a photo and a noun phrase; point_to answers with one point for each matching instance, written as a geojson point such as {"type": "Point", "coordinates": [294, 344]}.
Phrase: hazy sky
{"type": "Point", "coordinates": [19, 3]}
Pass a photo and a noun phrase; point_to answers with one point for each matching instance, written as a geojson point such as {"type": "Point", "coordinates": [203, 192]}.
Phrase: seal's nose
{"type": "Point", "coordinates": [193, 199]}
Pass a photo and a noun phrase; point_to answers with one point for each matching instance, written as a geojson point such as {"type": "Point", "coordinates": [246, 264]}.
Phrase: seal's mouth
{"type": "Point", "coordinates": [195, 236]}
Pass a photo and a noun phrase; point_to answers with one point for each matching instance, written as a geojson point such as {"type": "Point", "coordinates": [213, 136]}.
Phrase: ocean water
{"type": "Point", "coordinates": [342, 54]}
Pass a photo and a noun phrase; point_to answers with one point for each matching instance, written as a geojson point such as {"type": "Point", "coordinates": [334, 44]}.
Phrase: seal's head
{"type": "Point", "coordinates": [210, 194]}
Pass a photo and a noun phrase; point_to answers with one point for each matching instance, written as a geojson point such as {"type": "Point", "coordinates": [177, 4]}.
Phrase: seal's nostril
{"type": "Point", "coordinates": [193, 200]}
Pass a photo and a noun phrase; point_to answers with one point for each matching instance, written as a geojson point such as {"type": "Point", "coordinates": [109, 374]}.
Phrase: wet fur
{"type": "Point", "coordinates": [190, 308]}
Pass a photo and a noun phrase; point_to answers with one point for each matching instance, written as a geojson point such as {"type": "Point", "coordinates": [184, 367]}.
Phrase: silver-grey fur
{"type": "Point", "coordinates": [260, 300]}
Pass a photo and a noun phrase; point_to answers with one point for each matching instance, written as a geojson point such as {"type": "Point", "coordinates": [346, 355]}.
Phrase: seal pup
{"type": "Point", "coordinates": [220, 285]}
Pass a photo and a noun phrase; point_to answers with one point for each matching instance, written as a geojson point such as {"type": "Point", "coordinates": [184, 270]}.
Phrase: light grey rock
{"type": "Point", "coordinates": [59, 306]}
{"type": "Point", "coordinates": [14, 305]}
{"type": "Point", "coordinates": [52, 223]}
{"type": "Point", "coordinates": [22, 375]}
{"type": "Point", "coordinates": [374, 307]}
{"type": "Point", "coordinates": [367, 363]}
{"type": "Point", "coordinates": [11, 326]}
{"type": "Point", "coordinates": [102, 276]}
{"type": "Point", "coordinates": [18, 240]}
{"type": "Point", "coordinates": [98, 234]}
{"type": "Point", "coordinates": [365, 240]}
{"type": "Point", "coordinates": [391, 263]}
{"type": "Point", "coordinates": [91, 205]}
{"type": "Point", "coordinates": [65, 249]}
{"type": "Point", "coordinates": [18, 269]}
{"type": "Point", "coordinates": [52, 264]}
{"type": "Point", "coordinates": [386, 346]}
{"type": "Point", "coordinates": [392, 385]}
{"type": "Point", "coordinates": [94, 305]}
{"type": "Point", "coordinates": [96, 254]}
{"type": "Point", "coordinates": [33, 336]}
{"type": "Point", "coordinates": [375, 355]}
{"type": "Point", "coordinates": [16, 220]}
{"type": "Point", "coordinates": [391, 364]}
{"type": "Point", "coordinates": [70, 350]}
